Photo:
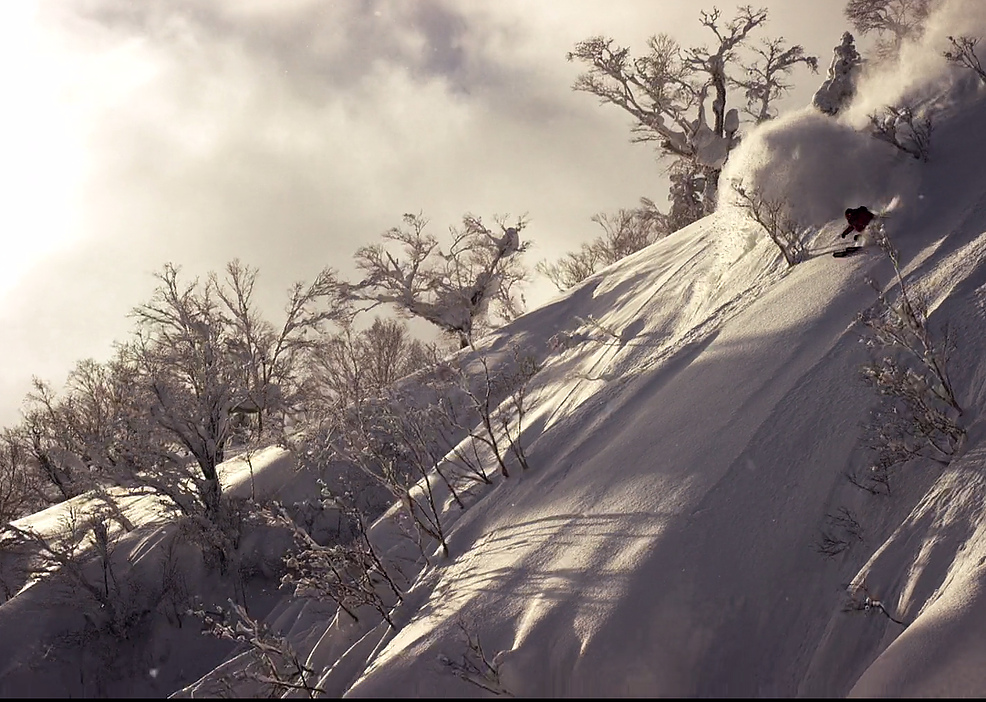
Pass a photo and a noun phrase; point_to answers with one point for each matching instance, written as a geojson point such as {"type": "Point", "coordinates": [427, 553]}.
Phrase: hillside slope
{"type": "Point", "coordinates": [689, 433]}
{"type": "Point", "coordinates": [683, 467]}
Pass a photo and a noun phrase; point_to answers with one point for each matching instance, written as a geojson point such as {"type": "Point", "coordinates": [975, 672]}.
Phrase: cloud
{"type": "Point", "coordinates": [319, 48]}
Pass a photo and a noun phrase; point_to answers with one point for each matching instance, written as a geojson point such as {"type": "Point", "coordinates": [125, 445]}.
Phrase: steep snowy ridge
{"type": "Point", "coordinates": [698, 408]}
{"type": "Point", "coordinates": [720, 448]}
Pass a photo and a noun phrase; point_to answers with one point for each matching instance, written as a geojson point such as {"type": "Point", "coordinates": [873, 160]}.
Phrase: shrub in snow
{"type": "Point", "coordinates": [905, 129]}
{"type": "Point", "coordinates": [352, 575]}
{"type": "Point", "coordinates": [667, 90]}
{"type": "Point", "coordinates": [458, 288]}
{"type": "Point", "coordinates": [482, 416]}
{"type": "Point", "coordinates": [474, 665]}
{"type": "Point", "coordinates": [775, 217]}
{"type": "Point", "coordinates": [83, 546]}
{"type": "Point", "coordinates": [963, 53]}
{"type": "Point", "coordinates": [839, 87]}
{"type": "Point", "coordinates": [218, 534]}
{"type": "Point", "coordinates": [860, 600]}
{"type": "Point", "coordinates": [875, 478]}
{"type": "Point", "coordinates": [839, 533]}
{"type": "Point", "coordinates": [392, 440]}
{"type": "Point", "coordinates": [276, 668]}
{"type": "Point", "coordinates": [626, 232]}
{"type": "Point", "coordinates": [920, 417]}
{"type": "Point", "coordinates": [500, 400]}
{"type": "Point", "coordinates": [82, 562]}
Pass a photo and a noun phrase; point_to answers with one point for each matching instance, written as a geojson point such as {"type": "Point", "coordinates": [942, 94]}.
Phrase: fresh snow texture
{"type": "Point", "coordinates": [689, 433]}
{"type": "Point", "coordinates": [688, 436]}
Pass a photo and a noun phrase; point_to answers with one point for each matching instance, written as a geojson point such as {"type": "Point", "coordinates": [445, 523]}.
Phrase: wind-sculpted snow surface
{"type": "Point", "coordinates": [686, 451]}
{"type": "Point", "coordinates": [689, 436]}
{"type": "Point", "coordinates": [626, 549]}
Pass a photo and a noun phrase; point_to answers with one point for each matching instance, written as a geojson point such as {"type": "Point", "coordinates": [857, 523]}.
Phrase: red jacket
{"type": "Point", "coordinates": [859, 218]}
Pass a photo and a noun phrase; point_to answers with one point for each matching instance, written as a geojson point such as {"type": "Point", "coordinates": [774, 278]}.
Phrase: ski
{"type": "Point", "coordinates": [848, 251]}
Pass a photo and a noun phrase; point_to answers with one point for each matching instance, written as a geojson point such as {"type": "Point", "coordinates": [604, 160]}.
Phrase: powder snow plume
{"type": "Point", "coordinates": [820, 165]}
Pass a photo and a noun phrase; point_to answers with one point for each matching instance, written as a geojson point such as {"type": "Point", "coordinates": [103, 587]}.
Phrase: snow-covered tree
{"type": "Point", "coordinates": [192, 383]}
{"type": "Point", "coordinates": [667, 90]}
{"type": "Point", "coordinates": [963, 53]}
{"type": "Point", "coordinates": [471, 282]}
{"type": "Point", "coordinates": [46, 445]}
{"type": "Point", "coordinates": [893, 21]}
{"type": "Point", "coordinates": [624, 233]}
{"type": "Point", "coordinates": [202, 354]}
{"type": "Point", "coordinates": [351, 366]}
{"type": "Point", "coordinates": [17, 484]}
{"type": "Point", "coordinates": [687, 185]}
{"type": "Point", "coordinates": [765, 79]}
{"type": "Point", "coordinates": [270, 358]}
{"type": "Point", "coordinates": [839, 87]}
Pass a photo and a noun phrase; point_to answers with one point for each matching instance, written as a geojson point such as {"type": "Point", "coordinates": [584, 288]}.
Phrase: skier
{"type": "Point", "coordinates": [858, 218]}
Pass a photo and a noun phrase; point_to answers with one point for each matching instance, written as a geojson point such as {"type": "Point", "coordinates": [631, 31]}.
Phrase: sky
{"type": "Point", "coordinates": [287, 133]}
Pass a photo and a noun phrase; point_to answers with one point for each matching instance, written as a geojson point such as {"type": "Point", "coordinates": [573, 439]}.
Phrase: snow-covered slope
{"type": "Point", "coordinates": [685, 447]}
{"type": "Point", "coordinates": [683, 467]}
{"type": "Point", "coordinates": [698, 409]}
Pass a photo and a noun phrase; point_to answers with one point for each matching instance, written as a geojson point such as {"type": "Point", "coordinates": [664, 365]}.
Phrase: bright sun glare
{"type": "Point", "coordinates": [40, 153]}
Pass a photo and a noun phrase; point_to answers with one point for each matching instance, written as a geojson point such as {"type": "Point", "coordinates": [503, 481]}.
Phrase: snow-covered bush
{"type": "Point", "coordinates": [352, 575]}
{"type": "Point", "coordinates": [839, 87]}
{"type": "Point", "coordinates": [392, 439]}
{"type": "Point", "coordinates": [963, 53]}
{"type": "Point", "coordinates": [921, 414]}
{"type": "Point", "coordinates": [775, 217]}
{"type": "Point", "coordinates": [89, 567]}
{"type": "Point", "coordinates": [904, 128]}
{"type": "Point", "coordinates": [276, 668]}
{"type": "Point", "coordinates": [474, 665]}
{"type": "Point", "coordinates": [839, 532]}
{"type": "Point", "coordinates": [501, 402]}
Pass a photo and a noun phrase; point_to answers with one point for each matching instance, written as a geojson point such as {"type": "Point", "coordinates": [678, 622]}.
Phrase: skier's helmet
{"type": "Point", "coordinates": [848, 212]}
